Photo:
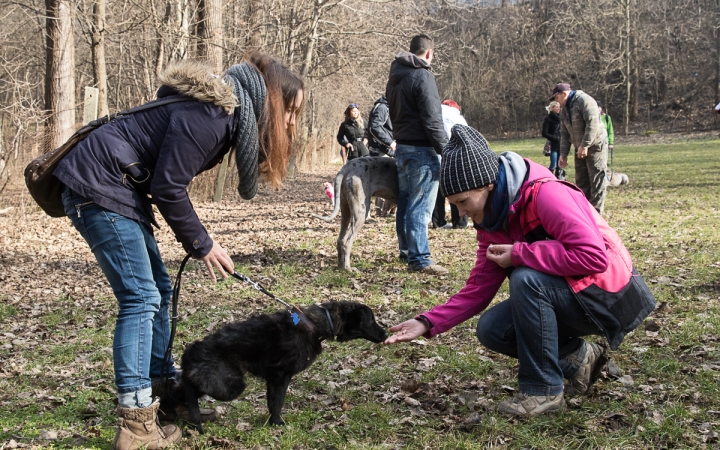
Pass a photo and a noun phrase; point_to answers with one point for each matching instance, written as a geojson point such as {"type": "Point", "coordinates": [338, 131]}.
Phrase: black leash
{"type": "Point", "coordinates": [174, 317]}
{"type": "Point", "coordinates": [611, 172]}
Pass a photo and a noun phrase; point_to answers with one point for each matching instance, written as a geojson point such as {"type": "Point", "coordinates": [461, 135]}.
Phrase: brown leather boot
{"type": "Point", "coordinates": [139, 428]}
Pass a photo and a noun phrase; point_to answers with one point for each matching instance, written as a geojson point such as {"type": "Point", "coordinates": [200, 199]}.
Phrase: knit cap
{"type": "Point", "coordinates": [467, 162]}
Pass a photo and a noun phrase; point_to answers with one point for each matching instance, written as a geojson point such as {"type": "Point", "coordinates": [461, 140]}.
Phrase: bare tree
{"type": "Point", "coordinates": [98, 56]}
{"type": "Point", "coordinates": [60, 71]}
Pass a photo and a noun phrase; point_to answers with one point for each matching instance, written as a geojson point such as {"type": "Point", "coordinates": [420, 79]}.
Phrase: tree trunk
{"type": "Point", "coordinates": [59, 74]}
{"type": "Point", "coordinates": [162, 31]}
{"type": "Point", "coordinates": [212, 22]}
{"type": "Point", "coordinates": [717, 54]}
{"type": "Point", "coordinates": [255, 10]}
{"type": "Point", "coordinates": [183, 23]}
{"type": "Point", "coordinates": [98, 56]}
{"type": "Point", "coordinates": [628, 83]}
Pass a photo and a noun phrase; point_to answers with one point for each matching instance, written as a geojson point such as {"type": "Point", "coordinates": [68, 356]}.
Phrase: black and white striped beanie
{"type": "Point", "coordinates": [467, 162]}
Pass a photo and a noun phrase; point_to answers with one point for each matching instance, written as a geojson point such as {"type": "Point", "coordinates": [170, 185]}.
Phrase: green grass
{"type": "Point", "coordinates": [352, 396]}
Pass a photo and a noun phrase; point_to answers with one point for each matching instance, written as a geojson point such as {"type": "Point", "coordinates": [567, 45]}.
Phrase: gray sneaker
{"type": "Point", "coordinates": [590, 368]}
{"type": "Point", "coordinates": [432, 269]}
{"type": "Point", "coordinates": [532, 405]}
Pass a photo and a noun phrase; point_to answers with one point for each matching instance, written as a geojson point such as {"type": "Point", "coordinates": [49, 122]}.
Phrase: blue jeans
{"type": "Point", "coordinates": [129, 257]}
{"type": "Point", "coordinates": [418, 178]}
{"type": "Point", "coordinates": [540, 325]}
{"type": "Point", "coordinates": [554, 156]}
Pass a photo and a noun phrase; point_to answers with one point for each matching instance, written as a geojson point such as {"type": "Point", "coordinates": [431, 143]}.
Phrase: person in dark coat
{"type": "Point", "coordinates": [380, 130]}
{"type": "Point", "coordinates": [418, 129]}
{"type": "Point", "coordinates": [351, 134]}
{"type": "Point", "coordinates": [115, 176]}
{"type": "Point", "coordinates": [551, 132]}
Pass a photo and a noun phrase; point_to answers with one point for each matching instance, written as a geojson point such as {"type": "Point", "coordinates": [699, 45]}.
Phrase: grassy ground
{"type": "Point", "coordinates": [57, 318]}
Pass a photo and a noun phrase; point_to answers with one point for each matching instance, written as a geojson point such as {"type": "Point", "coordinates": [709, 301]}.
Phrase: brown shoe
{"type": "Point", "coordinates": [432, 269]}
{"type": "Point", "coordinates": [161, 388]}
{"type": "Point", "coordinates": [139, 428]}
{"type": "Point", "coordinates": [590, 368]}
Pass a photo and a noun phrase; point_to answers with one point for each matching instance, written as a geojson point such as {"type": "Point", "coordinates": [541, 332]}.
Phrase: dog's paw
{"type": "Point", "coordinates": [276, 421]}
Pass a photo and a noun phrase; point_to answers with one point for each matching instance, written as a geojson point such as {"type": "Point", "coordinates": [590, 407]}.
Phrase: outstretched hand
{"type": "Point", "coordinates": [406, 331]}
{"type": "Point", "coordinates": [219, 259]}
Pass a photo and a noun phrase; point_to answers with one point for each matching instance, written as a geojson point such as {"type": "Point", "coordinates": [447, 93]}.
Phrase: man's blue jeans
{"type": "Point", "coordinates": [418, 178]}
{"type": "Point", "coordinates": [129, 257]}
{"type": "Point", "coordinates": [540, 325]}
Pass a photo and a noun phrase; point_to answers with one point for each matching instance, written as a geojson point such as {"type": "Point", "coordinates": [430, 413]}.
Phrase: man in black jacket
{"type": "Point", "coordinates": [415, 113]}
{"type": "Point", "coordinates": [380, 130]}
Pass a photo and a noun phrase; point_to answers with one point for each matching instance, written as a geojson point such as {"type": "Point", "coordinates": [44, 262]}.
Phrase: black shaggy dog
{"type": "Point", "coordinates": [271, 347]}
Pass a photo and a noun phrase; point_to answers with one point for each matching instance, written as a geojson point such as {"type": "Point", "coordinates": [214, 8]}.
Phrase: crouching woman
{"type": "Point", "coordinates": [570, 274]}
{"type": "Point", "coordinates": [115, 176]}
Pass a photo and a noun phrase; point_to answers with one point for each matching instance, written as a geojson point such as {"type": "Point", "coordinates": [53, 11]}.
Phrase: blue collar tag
{"type": "Point", "coordinates": [295, 318]}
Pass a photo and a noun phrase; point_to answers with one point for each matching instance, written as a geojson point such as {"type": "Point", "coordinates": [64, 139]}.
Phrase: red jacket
{"type": "Point", "coordinates": [580, 246]}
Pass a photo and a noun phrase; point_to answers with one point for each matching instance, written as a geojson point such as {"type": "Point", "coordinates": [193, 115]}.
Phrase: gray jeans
{"type": "Point", "coordinates": [591, 175]}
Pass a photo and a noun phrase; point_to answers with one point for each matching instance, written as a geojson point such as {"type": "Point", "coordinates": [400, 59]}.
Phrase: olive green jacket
{"type": "Point", "coordinates": [581, 125]}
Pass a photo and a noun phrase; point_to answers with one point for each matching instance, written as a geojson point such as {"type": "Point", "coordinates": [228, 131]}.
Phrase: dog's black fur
{"type": "Point", "coordinates": [270, 347]}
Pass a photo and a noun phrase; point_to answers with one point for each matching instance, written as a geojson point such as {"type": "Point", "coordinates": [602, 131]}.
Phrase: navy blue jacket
{"type": "Point", "coordinates": [414, 103]}
{"type": "Point", "coordinates": [150, 157]}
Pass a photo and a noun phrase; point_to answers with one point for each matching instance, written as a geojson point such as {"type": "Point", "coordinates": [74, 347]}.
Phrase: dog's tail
{"type": "Point", "coordinates": [193, 407]}
{"type": "Point", "coordinates": [338, 188]}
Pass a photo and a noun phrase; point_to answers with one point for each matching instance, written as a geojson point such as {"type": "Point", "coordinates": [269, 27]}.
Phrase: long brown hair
{"type": "Point", "coordinates": [359, 119]}
{"type": "Point", "coordinates": [276, 141]}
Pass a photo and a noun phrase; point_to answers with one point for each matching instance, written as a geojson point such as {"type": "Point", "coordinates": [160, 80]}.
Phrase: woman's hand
{"type": "Point", "coordinates": [219, 259]}
{"type": "Point", "coordinates": [562, 162]}
{"type": "Point", "coordinates": [501, 254]}
{"type": "Point", "coordinates": [349, 146]}
{"type": "Point", "coordinates": [407, 331]}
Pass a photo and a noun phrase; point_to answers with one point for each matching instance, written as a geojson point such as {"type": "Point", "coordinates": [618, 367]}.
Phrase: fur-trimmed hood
{"type": "Point", "coordinates": [196, 79]}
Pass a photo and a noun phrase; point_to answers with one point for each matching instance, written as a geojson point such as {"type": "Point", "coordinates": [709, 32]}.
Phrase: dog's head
{"type": "Point", "coordinates": [355, 321]}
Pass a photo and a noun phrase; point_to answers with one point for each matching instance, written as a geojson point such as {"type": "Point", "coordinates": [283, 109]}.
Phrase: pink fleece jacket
{"type": "Point", "coordinates": [578, 249]}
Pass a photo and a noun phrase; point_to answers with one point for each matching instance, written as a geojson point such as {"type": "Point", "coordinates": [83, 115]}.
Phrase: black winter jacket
{"type": "Point", "coordinates": [414, 103]}
{"type": "Point", "coordinates": [380, 130]}
{"type": "Point", "coordinates": [351, 132]}
{"type": "Point", "coordinates": [551, 130]}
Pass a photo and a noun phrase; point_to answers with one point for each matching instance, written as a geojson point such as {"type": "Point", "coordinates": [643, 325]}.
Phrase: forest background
{"type": "Point", "coordinates": [654, 63]}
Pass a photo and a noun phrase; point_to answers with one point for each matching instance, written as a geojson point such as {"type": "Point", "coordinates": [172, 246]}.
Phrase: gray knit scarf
{"type": "Point", "coordinates": [249, 88]}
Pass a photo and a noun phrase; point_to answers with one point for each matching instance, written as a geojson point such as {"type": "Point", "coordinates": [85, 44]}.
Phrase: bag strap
{"type": "Point", "coordinates": [149, 105]}
{"type": "Point", "coordinates": [529, 217]}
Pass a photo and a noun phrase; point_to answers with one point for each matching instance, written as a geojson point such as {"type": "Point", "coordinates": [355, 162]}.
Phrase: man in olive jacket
{"type": "Point", "coordinates": [416, 117]}
{"type": "Point", "coordinates": [581, 126]}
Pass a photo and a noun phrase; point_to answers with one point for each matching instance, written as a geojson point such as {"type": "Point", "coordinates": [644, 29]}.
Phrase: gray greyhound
{"type": "Point", "coordinates": [357, 181]}
{"type": "Point", "coordinates": [618, 179]}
